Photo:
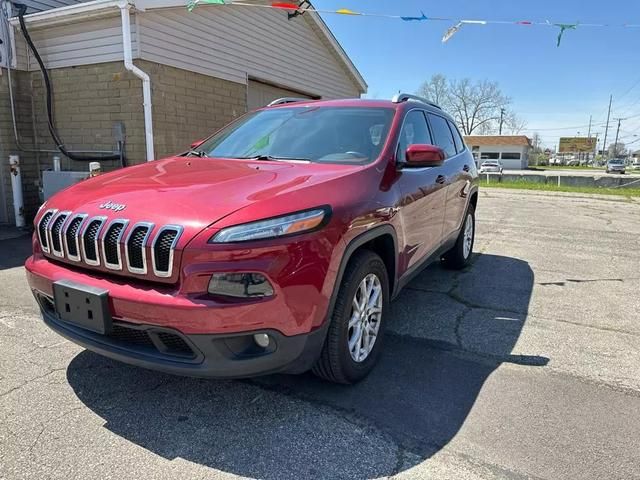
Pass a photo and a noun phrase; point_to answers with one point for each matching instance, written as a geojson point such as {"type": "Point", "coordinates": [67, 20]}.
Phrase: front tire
{"type": "Point", "coordinates": [460, 255]}
{"type": "Point", "coordinates": [354, 339]}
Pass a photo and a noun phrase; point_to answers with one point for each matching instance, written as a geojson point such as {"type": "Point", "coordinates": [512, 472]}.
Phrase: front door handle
{"type": "Point", "coordinates": [441, 179]}
{"type": "Point", "coordinates": [465, 168]}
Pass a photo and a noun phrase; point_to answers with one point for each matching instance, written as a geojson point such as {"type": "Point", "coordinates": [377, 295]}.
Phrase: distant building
{"type": "Point", "coordinates": [511, 150]}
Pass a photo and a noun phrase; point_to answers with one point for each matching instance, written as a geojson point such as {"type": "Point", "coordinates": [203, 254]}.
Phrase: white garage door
{"type": "Point", "coordinates": [261, 94]}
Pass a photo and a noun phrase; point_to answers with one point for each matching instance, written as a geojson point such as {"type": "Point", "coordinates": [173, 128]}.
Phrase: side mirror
{"type": "Point", "coordinates": [423, 155]}
{"type": "Point", "coordinates": [195, 145]}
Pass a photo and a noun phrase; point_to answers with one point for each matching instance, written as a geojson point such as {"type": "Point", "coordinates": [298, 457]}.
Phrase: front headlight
{"type": "Point", "coordinates": [274, 227]}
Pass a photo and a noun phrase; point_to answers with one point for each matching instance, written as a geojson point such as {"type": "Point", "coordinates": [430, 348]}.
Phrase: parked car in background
{"type": "Point", "coordinates": [491, 166]}
{"type": "Point", "coordinates": [636, 164]}
{"type": "Point", "coordinates": [275, 245]}
{"type": "Point", "coordinates": [616, 165]}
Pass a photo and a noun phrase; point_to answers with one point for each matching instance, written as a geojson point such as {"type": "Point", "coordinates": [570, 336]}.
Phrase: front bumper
{"type": "Point", "coordinates": [212, 356]}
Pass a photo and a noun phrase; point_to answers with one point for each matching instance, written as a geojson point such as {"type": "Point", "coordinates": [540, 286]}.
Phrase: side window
{"type": "Point", "coordinates": [442, 134]}
{"type": "Point", "coordinates": [414, 131]}
{"type": "Point", "coordinates": [457, 138]}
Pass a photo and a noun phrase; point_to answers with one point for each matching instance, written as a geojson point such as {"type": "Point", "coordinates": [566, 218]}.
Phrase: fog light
{"type": "Point", "coordinates": [240, 285]}
{"type": "Point", "coordinates": [261, 339]}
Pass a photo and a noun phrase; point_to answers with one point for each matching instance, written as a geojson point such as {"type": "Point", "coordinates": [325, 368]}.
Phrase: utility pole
{"type": "Point", "coordinates": [606, 132]}
{"type": "Point", "coordinates": [589, 137]}
{"type": "Point", "coordinates": [615, 145]}
{"type": "Point", "coordinates": [501, 119]}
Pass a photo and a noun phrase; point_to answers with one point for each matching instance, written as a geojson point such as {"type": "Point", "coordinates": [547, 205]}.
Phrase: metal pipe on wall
{"type": "Point", "coordinates": [10, 63]}
{"type": "Point", "coordinates": [16, 187]}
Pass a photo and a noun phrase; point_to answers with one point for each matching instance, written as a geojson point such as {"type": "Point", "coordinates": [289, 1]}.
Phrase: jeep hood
{"type": "Point", "coordinates": [192, 192]}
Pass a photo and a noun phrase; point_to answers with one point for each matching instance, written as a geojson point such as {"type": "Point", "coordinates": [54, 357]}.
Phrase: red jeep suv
{"type": "Point", "coordinates": [275, 245]}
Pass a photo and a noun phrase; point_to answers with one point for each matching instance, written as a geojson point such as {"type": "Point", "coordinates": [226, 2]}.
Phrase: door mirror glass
{"type": "Point", "coordinates": [423, 155]}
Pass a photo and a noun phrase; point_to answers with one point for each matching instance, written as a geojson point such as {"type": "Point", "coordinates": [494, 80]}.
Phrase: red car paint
{"type": "Point", "coordinates": [205, 195]}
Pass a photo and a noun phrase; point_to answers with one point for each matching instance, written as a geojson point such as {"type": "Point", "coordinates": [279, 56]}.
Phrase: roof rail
{"type": "Point", "coordinates": [404, 97]}
{"type": "Point", "coordinates": [282, 101]}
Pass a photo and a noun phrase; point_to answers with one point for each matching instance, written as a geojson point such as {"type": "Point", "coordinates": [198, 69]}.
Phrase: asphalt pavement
{"type": "Point", "coordinates": [524, 365]}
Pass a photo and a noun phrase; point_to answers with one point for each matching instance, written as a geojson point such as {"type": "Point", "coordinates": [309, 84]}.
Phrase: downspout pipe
{"type": "Point", "coordinates": [16, 186]}
{"type": "Point", "coordinates": [146, 81]}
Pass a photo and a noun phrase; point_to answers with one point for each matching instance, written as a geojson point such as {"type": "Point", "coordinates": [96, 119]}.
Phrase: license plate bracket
{"type": "Point", "coordinates": [83, 305]}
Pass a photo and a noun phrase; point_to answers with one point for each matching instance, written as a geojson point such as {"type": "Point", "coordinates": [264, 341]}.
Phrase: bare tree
{"type": "Point", "coordinates": [436, 90]}
{"type": "Point", "coordinates": [617, 150]}
{"type": "Point", "coordinates": [514, 125]}
{"type": "Point", "coordinates": [536, 142]}
{"type": "Point", "coordinates": [475, 106]}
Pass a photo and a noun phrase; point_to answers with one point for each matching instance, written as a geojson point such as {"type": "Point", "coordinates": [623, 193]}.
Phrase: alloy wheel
{"type": "Point", "coordinates": [468, 236]}
{"type": "Point", "coordinates": [366, 314]}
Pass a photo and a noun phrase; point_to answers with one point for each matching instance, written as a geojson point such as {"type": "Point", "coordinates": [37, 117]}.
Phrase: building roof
{"type": "Point", "coordinates": [75, 9]}
{"type": "Point", "coordinates": [500, 140]}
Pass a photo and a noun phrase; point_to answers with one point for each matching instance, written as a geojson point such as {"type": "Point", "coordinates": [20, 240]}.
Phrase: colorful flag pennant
{"type": "Point", "coordinates": [415, 19]}
{"type": "Point", "coordinates": [564, 27]}
{"type": "Point", "coordinates": [299, 8]}
{"type": "Point", "coordinates": [285, 5]}
{"type": "Point", "coordinates": [451, 32]}
{"type": "Point", "coordinates": [346, 11]}
{"type": "Point", "coordinates": [193, 3]}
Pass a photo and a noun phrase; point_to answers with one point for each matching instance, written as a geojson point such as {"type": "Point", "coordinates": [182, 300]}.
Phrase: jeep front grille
{"type": "Point", "coordinates": [71, 237]}
{"type": "Point", "coordinates": [162, 250]}
{"type": "Point", "coordinates": [111, 244]}
{"type": "Point", "coordinates": [90, 241]}
{"type": "Point", "coordinates": [135, 247]}
{"type": "Point", "coordinates": [55, 234]}
{"type": "Point", "coordinates": [42, 230]}
{"type": "Point", "coordinates": [116, 245]}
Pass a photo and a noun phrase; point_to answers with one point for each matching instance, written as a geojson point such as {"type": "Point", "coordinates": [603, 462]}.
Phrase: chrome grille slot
{"type": "Point", "coordinates": [90, 240]}
{"type": "Point", "coordinates": [71, 237]}
{"type": "Point", "coordinates": [163, 248]}
{"type": "Point", "coordinates": [55, 234]}
{"type": "Point", "coordinates": [42, 230]}
{"type": "Point", "coordinates": [111, 244]}
{"type": "Point", "coordinates": [135, 248]}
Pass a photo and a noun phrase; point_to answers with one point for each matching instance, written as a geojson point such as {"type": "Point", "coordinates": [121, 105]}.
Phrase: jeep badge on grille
{"type": "Point", "coordinates": [116, 207]}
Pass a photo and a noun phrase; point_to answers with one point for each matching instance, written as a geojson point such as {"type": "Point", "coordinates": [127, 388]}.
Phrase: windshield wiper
{"type": "Point", "coordinates": [196, 153]}
{"type": "Point", "coordinates": [272, 158]}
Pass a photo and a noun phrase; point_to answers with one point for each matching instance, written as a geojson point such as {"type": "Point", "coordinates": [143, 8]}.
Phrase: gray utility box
{"type": "Point", "coordinates": [53, 182]}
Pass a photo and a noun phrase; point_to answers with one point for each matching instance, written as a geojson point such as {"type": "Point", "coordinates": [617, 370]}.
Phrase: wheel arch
{"type": "Point", "coordinates": [381, 240]}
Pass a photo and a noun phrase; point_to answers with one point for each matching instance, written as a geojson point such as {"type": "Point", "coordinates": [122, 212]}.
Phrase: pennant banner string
{"type": "Point", "coordinates": [298, 9]}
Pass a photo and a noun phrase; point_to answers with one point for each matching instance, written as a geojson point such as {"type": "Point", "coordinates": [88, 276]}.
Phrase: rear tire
{"type": "Point", "coordinates": [339, 362]}
{"type": "Point", "coordinates": [459, 256]}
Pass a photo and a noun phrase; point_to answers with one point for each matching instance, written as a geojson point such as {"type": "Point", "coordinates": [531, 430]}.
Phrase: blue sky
{"type": "Point", "coordinates": [550, 87]}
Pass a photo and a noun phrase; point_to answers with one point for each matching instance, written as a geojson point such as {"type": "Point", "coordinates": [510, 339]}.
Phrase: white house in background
{"type": "Point", "coordinates": [511, 150]}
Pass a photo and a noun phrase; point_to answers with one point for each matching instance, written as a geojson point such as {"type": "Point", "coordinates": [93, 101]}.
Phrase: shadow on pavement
{"type": "Point", "coordinates": [14, 251]}
{"type": "Point", "coordinates": [277, 427]}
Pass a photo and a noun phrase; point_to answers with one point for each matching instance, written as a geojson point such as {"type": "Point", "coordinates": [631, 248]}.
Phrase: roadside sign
{"type": "Point", "coordinates": [577, 145]}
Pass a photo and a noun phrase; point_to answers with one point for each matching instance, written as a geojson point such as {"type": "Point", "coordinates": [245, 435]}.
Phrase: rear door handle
{"type": "Point", "coordinates": [466, 168]}
{"type": "Point", "coordinates": [441, 179]}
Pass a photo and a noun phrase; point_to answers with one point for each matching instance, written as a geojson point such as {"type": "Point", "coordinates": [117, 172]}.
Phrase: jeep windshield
{"type": "Point", "coordinates": [350, 135]}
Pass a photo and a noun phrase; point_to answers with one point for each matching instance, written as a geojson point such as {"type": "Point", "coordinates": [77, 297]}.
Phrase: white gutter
{"type": "Point", "coordinates": [65, 14]}
{"type": "Point", "coordinates": [146, 81]}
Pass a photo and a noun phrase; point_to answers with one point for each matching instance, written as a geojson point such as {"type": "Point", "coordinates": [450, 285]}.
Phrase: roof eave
{"type": "Point", "coordinates": [54, 16]}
